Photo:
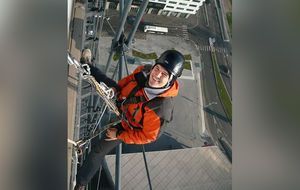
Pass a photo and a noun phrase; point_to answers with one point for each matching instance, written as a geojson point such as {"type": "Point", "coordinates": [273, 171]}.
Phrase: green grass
{"type": "Point", "coordinates": [135, 53]}
{"type": "Point", "coordinates": [224, 96]}
{"type": "Point", "coordinates": [229, 19]}
{"type": "Point", "coordinates": [143, 55]}
{"type": "Point", "coordinates": [188, 57]}
{"type": "Point", "coordinates": [116, 56]}
{"type": "Point", "coordinates": [187, 65]}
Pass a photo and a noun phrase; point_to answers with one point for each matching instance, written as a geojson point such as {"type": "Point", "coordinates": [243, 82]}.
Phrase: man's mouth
{"type": "Point", "coordinates": [155, 79]}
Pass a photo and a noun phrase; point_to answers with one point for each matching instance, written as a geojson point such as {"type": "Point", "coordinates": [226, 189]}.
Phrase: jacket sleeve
{"type": "Point", "coordinates": [149, 133]}
{"type": "Point", "coordinates": [101, 77]}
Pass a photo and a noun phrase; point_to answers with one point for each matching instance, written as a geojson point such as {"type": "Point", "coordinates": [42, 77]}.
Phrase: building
{"type": "Point", "coordinates": [178, 8]}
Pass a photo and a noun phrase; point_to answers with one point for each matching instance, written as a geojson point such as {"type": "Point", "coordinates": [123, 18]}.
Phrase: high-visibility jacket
{"type": "Point", "coordinates": [143, 120]}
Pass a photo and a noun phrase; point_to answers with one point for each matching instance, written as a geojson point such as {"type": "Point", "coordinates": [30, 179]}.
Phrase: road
{"type": "Point", "coordinates": [215, 116]}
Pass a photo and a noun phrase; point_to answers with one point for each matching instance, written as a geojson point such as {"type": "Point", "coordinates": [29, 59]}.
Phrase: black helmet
{"type": "Point", "coordinates": [172, 61]}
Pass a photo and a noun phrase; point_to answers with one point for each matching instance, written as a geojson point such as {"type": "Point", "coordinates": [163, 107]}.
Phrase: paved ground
{"type": "Point", "coordinates": [186, 127]}
{"type": "Point", "coordinates": [194, 168]}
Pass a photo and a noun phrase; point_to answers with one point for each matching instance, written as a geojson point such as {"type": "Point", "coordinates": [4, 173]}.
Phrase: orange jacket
{"type": "Point", "coordinates": [143, 125]}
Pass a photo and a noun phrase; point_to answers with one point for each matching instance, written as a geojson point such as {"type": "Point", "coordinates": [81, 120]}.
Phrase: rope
{"type": "Point", "coordinates": [102, 90]}
{"type": "Point", "coordinates": [72, 142]}
{"type": "Point", "coordinates": [105, 93]}
{"type": "Point", "coordinates": [146, 166]}
{"type": "Point", "coordinates": [79, 143]}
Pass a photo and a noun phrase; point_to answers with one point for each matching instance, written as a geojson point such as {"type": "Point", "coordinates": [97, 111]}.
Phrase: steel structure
{"type": "Point", "coordinates": [92, 115]}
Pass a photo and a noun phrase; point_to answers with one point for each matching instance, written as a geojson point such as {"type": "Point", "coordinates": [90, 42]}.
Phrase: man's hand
{"type": "Point", "coordinates": [86, 56]}
{"type": "Point", "coordinates": [111, 134]}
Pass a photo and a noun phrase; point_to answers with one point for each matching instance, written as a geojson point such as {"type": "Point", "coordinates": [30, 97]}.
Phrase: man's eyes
{"type": "Point", "coordinates": [157, 69]}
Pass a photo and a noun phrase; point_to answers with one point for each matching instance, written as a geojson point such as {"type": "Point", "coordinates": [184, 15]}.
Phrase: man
{"type": "Point", "coordinates": [145, 101]}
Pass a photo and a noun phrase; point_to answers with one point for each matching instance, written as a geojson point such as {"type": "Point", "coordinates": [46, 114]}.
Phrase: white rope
{"type": "Point", "coordinates": [106, 93]}
{"type": "Point", "coordinates": [72, 142]}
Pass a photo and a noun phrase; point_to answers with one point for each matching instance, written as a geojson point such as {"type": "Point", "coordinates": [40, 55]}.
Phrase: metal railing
{"type": "Point", "coordinates": [120, 45]}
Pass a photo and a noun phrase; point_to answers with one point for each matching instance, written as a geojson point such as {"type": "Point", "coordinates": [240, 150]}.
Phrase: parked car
{"type": "Point", "coordinates": [131, 18]}
{"type": "Point", "coordinates": [89, 31]}
{"type": "Point", "coordinates": [224, 70]}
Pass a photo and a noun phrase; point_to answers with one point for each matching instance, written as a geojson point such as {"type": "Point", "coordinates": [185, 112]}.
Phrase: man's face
{"type": "Point", "coordinates": [158, 77]}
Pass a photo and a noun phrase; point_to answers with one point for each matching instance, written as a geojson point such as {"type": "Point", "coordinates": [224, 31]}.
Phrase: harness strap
{"type": "Point", "coordinates": [132, 99]}
{"type": "Point", "coordinates": [156, 100]}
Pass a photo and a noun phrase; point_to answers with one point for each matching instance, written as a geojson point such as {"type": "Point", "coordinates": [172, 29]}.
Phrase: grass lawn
{"type": "Point", "coordinates": [229, 19]}
{"type": "Point", "coordinates": [116, 56]}
{"type": "Point", "coordinates": [188, 57]}
{"type": "Point", "coordinates": [135, 53]}
{"type": "Point", "coordinates": [143, 55]}
{"type": "Point", "coordinates": [187, 65]}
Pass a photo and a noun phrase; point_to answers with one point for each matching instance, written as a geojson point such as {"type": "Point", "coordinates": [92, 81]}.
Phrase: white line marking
{"type": "Point", "coordinates": [187, 77]}
{"type": "Point", "coordinates": [220, 132]}
{"type": "Point", "coordinates": [201, 104]}
{"type": "Point", "coordinates": [214, 120]}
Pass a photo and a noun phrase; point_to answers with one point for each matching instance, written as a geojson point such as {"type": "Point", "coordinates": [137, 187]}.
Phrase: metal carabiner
{"type": "Point", "coordinates": [86, 71]}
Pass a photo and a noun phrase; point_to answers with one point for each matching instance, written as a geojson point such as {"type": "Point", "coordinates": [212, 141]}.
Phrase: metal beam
{"type": "Point", "coordinates": [119, 32]}
{"type": "Point", "coordinates": [146, 166]}
{"type": "Point", "coordinates": [137, 21]}
{"type": "Point", "coordinates": [121, 5]}
{"type": "Point", "coordinates": [118, 167]}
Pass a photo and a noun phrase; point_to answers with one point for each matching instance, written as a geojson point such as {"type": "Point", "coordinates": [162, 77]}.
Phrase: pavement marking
{"type": "Point", "coordinates": [185, 32]}
{"type": "Point", "coordinates": [201, 104]}
{"type": "Point", "coordinates": [215, 122]}
{"type": "Point", "coordinates": [191, 63]}
{"type": "Point", "coordinates": [187, 77]}
{"type": "Point", "coordinates": [208, 48]}
{"type": "Point", "coordinates": [220, 132]}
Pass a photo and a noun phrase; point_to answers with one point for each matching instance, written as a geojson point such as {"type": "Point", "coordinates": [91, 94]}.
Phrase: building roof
{"type": "Point", "coordinates": [192, 168]}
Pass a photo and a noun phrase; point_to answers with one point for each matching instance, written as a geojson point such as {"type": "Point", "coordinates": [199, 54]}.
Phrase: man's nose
{"type": "Point", "coordinates": [158, 75]}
